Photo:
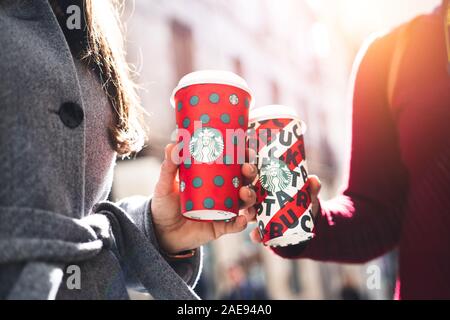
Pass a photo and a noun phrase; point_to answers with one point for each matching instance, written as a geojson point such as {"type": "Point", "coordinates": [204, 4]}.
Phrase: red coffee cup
{"type": "Point", "coordinates": [212, 118]}
{"type": "Point", "coordinates": [283, 202]}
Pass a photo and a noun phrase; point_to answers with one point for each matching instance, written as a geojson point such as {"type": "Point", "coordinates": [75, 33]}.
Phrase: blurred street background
{"type": "Point", "coordinates": [293, 52]}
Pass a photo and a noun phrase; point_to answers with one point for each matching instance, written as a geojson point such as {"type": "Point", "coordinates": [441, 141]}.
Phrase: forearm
{"type": "Point", "coordinates": [350, 229]}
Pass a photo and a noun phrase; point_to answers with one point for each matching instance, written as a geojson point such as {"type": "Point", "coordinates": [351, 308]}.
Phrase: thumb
{"type": "Point", "coordinates": [166, 182]}
{"type": "Point", "coordinates": [315, 186]}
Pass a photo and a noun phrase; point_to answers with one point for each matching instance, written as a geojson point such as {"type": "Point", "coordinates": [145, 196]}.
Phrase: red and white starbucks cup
{"type": "Point", "coordinates": [283, 202]}
{"type": "Point", "coordinates": [212, 118]}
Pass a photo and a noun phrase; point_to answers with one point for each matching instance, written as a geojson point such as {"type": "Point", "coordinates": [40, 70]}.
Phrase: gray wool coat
{"type": "Point", "coordinates": [47, 228]}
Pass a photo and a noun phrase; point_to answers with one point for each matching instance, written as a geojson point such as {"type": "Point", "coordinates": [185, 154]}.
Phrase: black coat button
{"type": "Point", "coordinates": [71, 114]}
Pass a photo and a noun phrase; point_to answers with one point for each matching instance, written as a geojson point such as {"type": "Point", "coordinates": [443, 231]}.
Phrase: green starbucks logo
{"type": "Point", "coordinates": [275, 175]}
{"type": "Point", "coordinates": [206, 145]}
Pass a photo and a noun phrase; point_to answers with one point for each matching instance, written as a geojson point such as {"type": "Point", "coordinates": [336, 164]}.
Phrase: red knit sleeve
{"type": "Point", "coordinates": [365, 221]}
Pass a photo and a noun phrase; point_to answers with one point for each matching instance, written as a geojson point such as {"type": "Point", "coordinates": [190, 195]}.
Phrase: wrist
{"type": "Point", "coordinates": [162, 237]}
{"type": "Point", "coordinates": [167, 235]}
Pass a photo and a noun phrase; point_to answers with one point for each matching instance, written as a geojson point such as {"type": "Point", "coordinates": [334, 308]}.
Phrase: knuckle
{"type": "Point", "coordinates": [217, 233]}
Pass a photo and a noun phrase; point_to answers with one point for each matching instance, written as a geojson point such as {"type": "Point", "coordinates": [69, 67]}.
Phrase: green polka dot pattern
{"type": "Point", "coordinates": [214, 98]}
{"type": "Point", "coordinates": [194, 100]}
{"type": "Point", "coordinates": [197, 182]}
{"type": "Point", "coordinates": [218, 181]}
{"type": "Point", "coordinates": [208, 203]}
{"type": "Point", "coordinates": [229, 203]}
{"type": "Point", "coordinates": [241, 120]}
{"type": "Point", "coordinates": [225, 118]}
{"type": "Point", "coordinates": [204, 118]}
{"type": "Point", "coordinates": [246, 103]}
{"type": "Point", "coordinates": [189, 205]}
{"type": "Point", "coordinates": [186, 123]}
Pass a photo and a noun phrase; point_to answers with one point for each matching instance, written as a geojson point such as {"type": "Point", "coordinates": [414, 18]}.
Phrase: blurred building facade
{"type": "Point", "coordinates": [288, 56]}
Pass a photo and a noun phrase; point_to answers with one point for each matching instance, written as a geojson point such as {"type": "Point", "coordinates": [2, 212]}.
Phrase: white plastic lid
{"type": "Point", "coordinates": [210, 76]}
{"type": "Point", "coordinates": [275, 111]}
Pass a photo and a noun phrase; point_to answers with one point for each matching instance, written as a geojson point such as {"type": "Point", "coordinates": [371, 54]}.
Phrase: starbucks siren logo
{"type": "Point", "coordinates": [206, 145]}
{"type": "Point", "coordinates": [234, 100]}
{"type": "Point", "coordinates": [235, 182]}
{"type": "Point", "coordinates": [275, 175]}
